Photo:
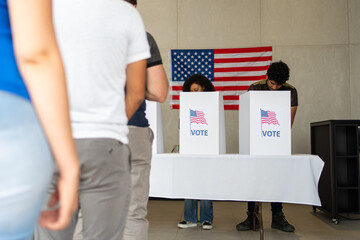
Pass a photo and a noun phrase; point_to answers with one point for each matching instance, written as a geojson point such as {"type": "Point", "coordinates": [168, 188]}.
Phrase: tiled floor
{"type": "Point", "coordinates": [164, 215]}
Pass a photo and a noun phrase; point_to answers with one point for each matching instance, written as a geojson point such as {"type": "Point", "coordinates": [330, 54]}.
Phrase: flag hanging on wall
{"type": "Point", "coordinates": [231, 70]}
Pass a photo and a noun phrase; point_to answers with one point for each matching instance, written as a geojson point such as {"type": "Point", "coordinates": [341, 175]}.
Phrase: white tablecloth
{"type": "Point", "coordinates": [291, 179]}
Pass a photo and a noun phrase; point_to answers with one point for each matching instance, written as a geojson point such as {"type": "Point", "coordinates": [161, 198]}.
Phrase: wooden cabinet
{"type": "Point", "coordinates": [336, 142]}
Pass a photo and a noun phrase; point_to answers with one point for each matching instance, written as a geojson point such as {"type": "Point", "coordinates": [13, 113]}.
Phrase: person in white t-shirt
{"type": "Point", "coordinates": [104, 49]}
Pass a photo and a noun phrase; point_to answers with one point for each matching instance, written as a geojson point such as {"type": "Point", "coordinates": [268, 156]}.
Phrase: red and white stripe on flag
{"type": "Point", "coordinates": [231, 70]}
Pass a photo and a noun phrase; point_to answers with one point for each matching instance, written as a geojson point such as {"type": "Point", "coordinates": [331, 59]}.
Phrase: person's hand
{"type": "Point", "coordinates": [61, 205]}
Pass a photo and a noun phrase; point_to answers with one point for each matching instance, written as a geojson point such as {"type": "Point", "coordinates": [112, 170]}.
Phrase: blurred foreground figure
{"type": "Point", "coordinates": [104, 48]}
{"type": "Point", "coordinates": [34, 122]}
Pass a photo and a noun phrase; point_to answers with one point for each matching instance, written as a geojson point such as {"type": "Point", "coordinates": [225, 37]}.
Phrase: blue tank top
{"type": "Point", "coordinates": [10, 78]}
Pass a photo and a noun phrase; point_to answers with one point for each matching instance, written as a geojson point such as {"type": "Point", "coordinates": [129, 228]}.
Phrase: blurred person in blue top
{"type": "Point", "coordinates": [197, 83]}
{"type": "Point", "coordinates": [34, 123]}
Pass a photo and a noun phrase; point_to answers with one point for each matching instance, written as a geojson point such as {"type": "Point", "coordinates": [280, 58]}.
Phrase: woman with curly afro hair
{"type": "Point", "coordinates": [197, 83]}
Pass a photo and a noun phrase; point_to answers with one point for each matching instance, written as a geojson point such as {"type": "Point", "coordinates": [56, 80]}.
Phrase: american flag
{"type": "Point", "coordinates": [269, 117]}
{"type": "Point", "coordinates": [197, 117]}
{"type": "Point", "coordinates": [231, 70]}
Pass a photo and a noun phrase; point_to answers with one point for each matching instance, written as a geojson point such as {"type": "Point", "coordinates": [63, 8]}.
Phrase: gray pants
{"type": "Point", "coordinates": [104, 191]}
{"type": "Point", "coordinates": [140, 143]}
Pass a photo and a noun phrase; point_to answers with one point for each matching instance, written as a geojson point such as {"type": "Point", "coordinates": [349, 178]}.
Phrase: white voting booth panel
{"type": "Point", "coordinates": [153, 114]}
{"type": "Point", "coordinates": [202, 127]}
{"type": "Point", "coordinates": [265, 123]}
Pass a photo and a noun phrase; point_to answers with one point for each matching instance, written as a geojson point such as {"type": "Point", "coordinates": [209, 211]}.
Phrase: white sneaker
{"type": "Point", "coordinates": [185, 224]}
{"type": "Point", "coordinates": [207, 225]}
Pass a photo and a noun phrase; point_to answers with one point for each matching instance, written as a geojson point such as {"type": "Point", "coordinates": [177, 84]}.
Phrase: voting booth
{"type": "Point", "coordinates": [202, 124]}
{"type": "Point", "coordinates": [153, 114]}
{"type": "Point", "coordinates": [265, 123]}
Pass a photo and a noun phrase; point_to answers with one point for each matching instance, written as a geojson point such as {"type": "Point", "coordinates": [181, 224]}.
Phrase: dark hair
{"type": "Point", "coordinates": [133, 2]}
{"type": "Point", "coordinates": [278, 72]}
{"type": "Point", "coordinates": [204, 82]}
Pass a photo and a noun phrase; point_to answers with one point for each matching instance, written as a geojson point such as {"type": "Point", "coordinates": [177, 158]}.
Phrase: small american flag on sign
{"type": "Point", "coordinates": [231, 70]}
{"type": "Point", "coordinates": [197, 117]}
{"type": "Point", "coordinates": [269, 117]}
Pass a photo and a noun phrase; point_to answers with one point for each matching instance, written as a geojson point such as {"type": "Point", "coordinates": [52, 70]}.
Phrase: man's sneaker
{"type": "Point", "coordinates": [279, 222]}
{"type": "Point", "coordinates": [185, 224]}
{"type": "Point", "coordinates": [248, 223]}
{"type": "Point", "coordinates": [207, 225]}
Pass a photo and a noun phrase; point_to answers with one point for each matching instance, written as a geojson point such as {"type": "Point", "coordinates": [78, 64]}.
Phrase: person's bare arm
{"type": "Point", "coordinates": [135, 86]}
{"type": "Point", "coordinates": [40, 66]}
{"type": "Point", "coordinates": [157, 84]}
{"type": "Point", "coordinates": [293, 112]}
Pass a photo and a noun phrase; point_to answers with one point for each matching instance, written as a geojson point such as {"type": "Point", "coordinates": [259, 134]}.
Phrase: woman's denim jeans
{"type": "Point", "coordinates": [25, 167]}
{"type": "Point", "coordinates": [191, 211]}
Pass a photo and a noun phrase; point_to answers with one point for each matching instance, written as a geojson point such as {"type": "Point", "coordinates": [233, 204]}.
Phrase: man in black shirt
{"type": "Point", "coordinates": [277, 75]}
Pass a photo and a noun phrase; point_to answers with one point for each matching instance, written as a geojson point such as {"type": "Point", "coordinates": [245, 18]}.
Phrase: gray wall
{"type": "Point", "coordinates": [318, 39]}
{"type": "Point", "coordinates": [354, 48]}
